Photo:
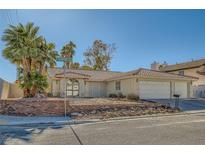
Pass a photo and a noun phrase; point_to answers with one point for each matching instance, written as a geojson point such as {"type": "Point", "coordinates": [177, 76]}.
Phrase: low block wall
{"type": "Point", "coordinates": [9, 90]}
{"type": "Point", "coordinates": [15, 91]}
{"type": "Point", "coordinates": [4, 89]}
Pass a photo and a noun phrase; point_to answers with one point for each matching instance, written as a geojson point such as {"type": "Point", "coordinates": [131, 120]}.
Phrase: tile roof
{"type": "Point", "coordinates": [162, 75]}
{"type": "Point", "coordinates": [185, 65]}
{"type": "Point", "coordinates": [109, 76]}
{"type": "Point", "coordinates": [89, 74]}
{"type": "Point", "coordinates": [71, 74]}
{"type": "Point", "coordinates": [146, 73]}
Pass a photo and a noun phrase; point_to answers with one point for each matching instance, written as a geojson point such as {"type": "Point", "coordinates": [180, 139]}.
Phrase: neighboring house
{"type": "Point", "coordinates": [147, 84]}
{"type": "Point", "coordinates": [194, 68]}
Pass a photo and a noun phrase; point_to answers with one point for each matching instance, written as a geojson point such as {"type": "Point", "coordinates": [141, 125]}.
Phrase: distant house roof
{"type": "Point", "coordinates": [146, 73]}
{"type": "Point", "coordinates": [185, 65]}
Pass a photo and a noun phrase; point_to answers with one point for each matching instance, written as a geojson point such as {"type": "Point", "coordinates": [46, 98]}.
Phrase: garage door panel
{"type": "Point", "coordinates": [154, 90]}
{"type": "Point", "coordinates": [181, 89]}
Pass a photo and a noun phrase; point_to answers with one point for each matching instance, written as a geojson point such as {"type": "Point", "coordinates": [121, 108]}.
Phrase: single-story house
{"type": "Point", "coordinates": [147, 84]}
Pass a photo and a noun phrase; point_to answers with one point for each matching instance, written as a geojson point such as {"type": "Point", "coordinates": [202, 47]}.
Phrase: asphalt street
{"type": "Point", "coordinates": [176, 129]}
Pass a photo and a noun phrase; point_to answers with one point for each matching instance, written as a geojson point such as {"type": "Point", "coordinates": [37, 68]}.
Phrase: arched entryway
{"type": "Point", "coordinates": [72, 87]}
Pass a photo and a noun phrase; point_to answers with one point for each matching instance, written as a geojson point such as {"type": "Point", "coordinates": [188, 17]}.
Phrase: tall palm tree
{"type": "Point", "coordinates": [46, 57]}
{"type": "Point", "coordinates": [68, 51]}
{"type": "Point", "coordinates": [21, 46]}
{"type": "Point", "coordinates": [31, 53]}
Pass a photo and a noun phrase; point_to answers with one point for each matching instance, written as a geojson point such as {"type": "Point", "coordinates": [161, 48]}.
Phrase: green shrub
{"type": "Point", "coordinates": [49, 94]}
{"type": "Point", "coordinates": [120, 95]}
{"type": "Point", "coordinates": [34, 83]}
{"type": "Point", "coordinates": [133, 97]}
{"type": "Point", "coordinates": [112, 95]}
{"type": "Point", "coordinates": [58, 94]}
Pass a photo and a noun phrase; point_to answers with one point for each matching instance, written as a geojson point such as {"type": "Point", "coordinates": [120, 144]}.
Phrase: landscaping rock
{"type": "Point", "coordinates": [75, 114]}
{"type": "Point", "coordinates": [10, 110]}
{"type": "Point", "coordinates": [88, 108]}
{"type": "Point", "coordinates": [93, 112]}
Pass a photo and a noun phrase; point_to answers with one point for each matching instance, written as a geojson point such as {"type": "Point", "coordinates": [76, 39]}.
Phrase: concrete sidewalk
{"type": "Point", "coordinates": [18, 120]}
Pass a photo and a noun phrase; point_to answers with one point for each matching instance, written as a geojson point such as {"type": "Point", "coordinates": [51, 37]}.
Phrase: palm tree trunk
{"type": "Point", "coordinates": [27, 74]}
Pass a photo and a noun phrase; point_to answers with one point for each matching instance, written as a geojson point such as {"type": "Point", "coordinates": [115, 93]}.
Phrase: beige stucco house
{"type": "Point", "coordinates": [195, 68]}
{"type": "Point", "coordinates": [147, 84]}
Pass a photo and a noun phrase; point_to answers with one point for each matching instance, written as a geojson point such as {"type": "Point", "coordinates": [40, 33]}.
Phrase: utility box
{"type": "Point", "coordinates": [176, 96]}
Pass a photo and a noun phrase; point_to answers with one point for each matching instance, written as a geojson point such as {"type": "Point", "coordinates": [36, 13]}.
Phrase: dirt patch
{"type": "Point", "coordinates": [31, 107]}
{"type": "Point", "coordinates": [81, 109]}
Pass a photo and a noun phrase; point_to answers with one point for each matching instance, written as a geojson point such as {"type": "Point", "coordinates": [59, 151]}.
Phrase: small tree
{"type": "Point", "coordinates": [99, 56]}
{"type": "Point", "coordinates": [75, 65]}
{"type": "Point", "coordinates": [85, 67]}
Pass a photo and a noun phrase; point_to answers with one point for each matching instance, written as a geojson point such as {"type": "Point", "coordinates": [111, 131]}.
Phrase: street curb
{"type": "Point", "coordinates": [87, 121]}
{"type": "Point", "coordinates": [70, 122]}
{"type": "Point", "coordinates": [32, 124]}
{"type": "Point", "coordinates": [124, 118]}
{"type": "Point", "coordinates": [138, 117]}
{"type": "Point", "coordinates": [194, 112]}
{"type": "Point", "coordinates": [76, 122]}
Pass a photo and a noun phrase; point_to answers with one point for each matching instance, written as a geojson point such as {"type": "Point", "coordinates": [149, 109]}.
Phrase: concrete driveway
{"type": "Point", "coordinates": [184, 104]}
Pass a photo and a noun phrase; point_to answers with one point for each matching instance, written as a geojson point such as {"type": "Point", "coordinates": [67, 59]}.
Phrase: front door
{"type": "Point", "coordinates": [72, 87]}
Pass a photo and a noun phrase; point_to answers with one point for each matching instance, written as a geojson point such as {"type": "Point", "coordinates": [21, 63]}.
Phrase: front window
{"type": "Point", "coordinates": [117, 85]}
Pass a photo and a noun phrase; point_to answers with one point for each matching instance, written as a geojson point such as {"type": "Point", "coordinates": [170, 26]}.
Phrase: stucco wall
{"type": "Point", "coordinates": [4, 89]}
{"type": "Point", "coordinates": [86, 88]}
{"type": "Point", "coordinates": [9, 90]}
{"type": "Point", "coordinates": [55, 85]}
{"type": "Point", "coordinates": [103, 89]}
{"type": "Point", "coordinates": [128, 86]}
{"type": "Point", "coordinates": [15, 91]}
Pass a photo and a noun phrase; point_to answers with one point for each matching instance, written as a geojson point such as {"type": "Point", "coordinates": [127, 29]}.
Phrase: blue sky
{"type": "Point", "coordinates": [141, 36]}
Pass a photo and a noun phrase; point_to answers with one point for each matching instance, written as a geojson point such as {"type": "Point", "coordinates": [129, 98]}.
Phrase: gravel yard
{"type": "Point", "coordinates": [82, 108]}
{"type": "Point", "coordinates": [110, 108]}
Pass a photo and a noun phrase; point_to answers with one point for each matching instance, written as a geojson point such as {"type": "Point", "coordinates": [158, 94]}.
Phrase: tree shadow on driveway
{"type": "Point", "coordinates": [23, 132]}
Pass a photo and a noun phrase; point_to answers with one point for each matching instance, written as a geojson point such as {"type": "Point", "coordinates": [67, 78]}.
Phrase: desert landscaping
{"type": "Point", "coordinates": [82, 108]}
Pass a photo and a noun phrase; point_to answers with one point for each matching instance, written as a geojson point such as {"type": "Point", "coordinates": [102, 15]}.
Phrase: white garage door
{"type": "Point", "coordinates": [181, 89]}
{"type": "Point", "coordinates": [154, 90]}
